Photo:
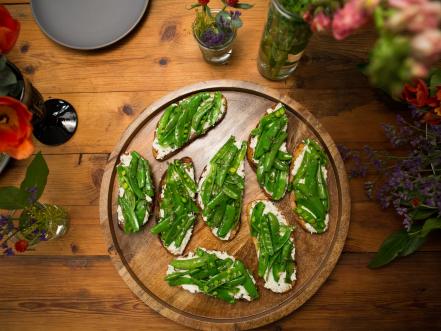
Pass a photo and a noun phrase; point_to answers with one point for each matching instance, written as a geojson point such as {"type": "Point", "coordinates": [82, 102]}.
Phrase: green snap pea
{"type": "Point", "coordinates": [130, 221]}
{"type": "Point", "coordinates": [247, 282]}
{"type": "Point", "coordinates": [185, 178]}
{"type": "Point", "coordinates": [265, 140]}
{"type": "Point", "coordinates": [187, 264]}
{"type": "Point", "coordinates": [228, 158]}
{"type": "Point", "coordinates": [256, 218]}
{"type": "Point", "coordinates": [239, 158]}
{"type": "Point", "coordinates": [169, 127]}
{"type": "Point", "coordinates": [270, 157]}
{"type": "Point", "coordinates": [202, 110]}
{"type": "Point", "coordinates": [224, 295]}
{"type": "Point", "coordinates": [222, 278]}
{"type": "Point", "coordinates": [216, 109]}
{"type": "Point", "coordinates": [165, 118]}
{"type": "Point", "coordinates": [280, 185]}
{"type": "Point", "coordinates": [183, 231]}
{"type": "Point", "coordinates": [274, 226]}
{"type": "Point", "coordinates": [280, 165]}
{"type": "Point", "coordinates": [262, 265]}
{"type": "Point", "coordinates": [184, 281]}
{"type": "Point", "coordinates": [141, 174]}
{"type": "Point", "coordinates": [283, 156]}
{"type": "Point", "coordinates": [228, 221]}
{"type": "Point", "coordinates": [266, 236]}
{"type": "Point", "coordinates": [141, 211]}
{"type": "Point", "coordinates": [231, 192]}
{"type": "Point", "coordinates": [289, 267]}
{"type": "Point", "coordinates": [221, 153]}
{"type": "Point", "coordinates": [217, 217]}
{"type": "Point", "coordinates": [162, 226]}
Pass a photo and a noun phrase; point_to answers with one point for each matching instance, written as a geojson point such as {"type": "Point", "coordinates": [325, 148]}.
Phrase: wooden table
{"type": "Point", "coordinates": [71, 284]}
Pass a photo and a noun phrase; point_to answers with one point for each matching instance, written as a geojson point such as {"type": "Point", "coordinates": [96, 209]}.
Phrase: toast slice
{"type": "Point", "coordinates": [267, 152]}
{"type": "Point", "coordinates": [274, 242]}
{"type": "Point", "coordinates": [311, 208]}
{"type": "Point", "coordinates": [221, 190]}
{"type": "Point", "coordinates": [183, 122]}
{"type": "Point", "coordinates": [176, 209]}
{"type": "Point", "coordinates": [199, 272]}
{"type": "Point", "coordinates": [136, 192]}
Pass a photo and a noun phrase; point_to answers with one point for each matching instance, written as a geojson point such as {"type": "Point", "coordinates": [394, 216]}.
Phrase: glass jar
{"type": "Point", "coordinates": [284, 39]}
{"type": "Point", "coordinates": [216, 54]}
{"type": "Point", "coordinates": [43, 222]}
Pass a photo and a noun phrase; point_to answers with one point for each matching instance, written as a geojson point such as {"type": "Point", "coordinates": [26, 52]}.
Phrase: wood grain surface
{"type": "Point", "coordinates": [142, 261]}
{"type": "Point", "coordinates": [72, 284]}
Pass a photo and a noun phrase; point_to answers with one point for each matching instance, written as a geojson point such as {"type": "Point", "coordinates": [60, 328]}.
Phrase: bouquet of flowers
{"type": "Point", "coordinates": [217, 30]}
{"type": "Point", "coordinates": [411, 184]}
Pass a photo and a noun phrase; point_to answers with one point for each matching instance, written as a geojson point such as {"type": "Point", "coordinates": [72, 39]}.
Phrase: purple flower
{"type": "Point", "coordinates": [8, 252]}
{"type": "Point", "coordinates": [43, 235]}
{"type": "Point", "coordinates": [345, 152]}
{"type": "Point", "coordinates": [212, 38]}
{"type": "Point", "coordinates": [3, 220]}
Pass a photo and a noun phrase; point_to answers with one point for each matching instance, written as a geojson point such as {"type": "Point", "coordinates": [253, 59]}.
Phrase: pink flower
{"type": "Point", "coordinates": [352, 16]}
{"type": "Point", "coordinates": [416, 18]}
{"type": "Point", "coordinates": [405, 3]}
{"type": "Point", "coordinates": [320, 22]}
{"type": "Point", "coordinates": [426, 46]}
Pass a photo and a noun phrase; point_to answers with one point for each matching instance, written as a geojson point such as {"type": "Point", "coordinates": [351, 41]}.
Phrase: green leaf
{"type": "Point", "coordinates": [435, 81]}
{"type": "Point", "coordinates": [243, 6]}
{"type": "Point", "coordinates": [195, 5]}
{"type": "Point", "coordinates": [430, 225]}
{"type": "Point", "coordinates": [12, 198]}
{"type": "Point", "coordinates": [390, 249]}
{"type": "Point", "coordinates": [36, 176]}
{"type": "Point", "coordinates": [422, 213]}
{"type": "Point", "coordinates": [413, 244]}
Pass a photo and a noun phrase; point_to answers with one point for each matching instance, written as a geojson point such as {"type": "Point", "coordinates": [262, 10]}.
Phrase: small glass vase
{"type": "Point", "coordinates": [43, 222]}
{"type": "Point", "coordinates": [284, 39]}
{"type": "Point", "coordinates": [216, 54]}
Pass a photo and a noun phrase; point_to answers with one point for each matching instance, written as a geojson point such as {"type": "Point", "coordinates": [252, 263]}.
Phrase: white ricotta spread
{"type": "Point", "coordinates": [121, 192]}
{"type": "Point", "coordinates": [126, 158]}
{"type": "Point", "coordinates": [179, 250]}
{"type": "Point", "coordinates": [162, 151]}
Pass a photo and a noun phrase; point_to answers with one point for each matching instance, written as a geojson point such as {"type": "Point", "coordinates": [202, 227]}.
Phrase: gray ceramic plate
{"type": "Point", "coordinates": [4, 159]}
{"type": "Point", "coordinates": [87, 24]}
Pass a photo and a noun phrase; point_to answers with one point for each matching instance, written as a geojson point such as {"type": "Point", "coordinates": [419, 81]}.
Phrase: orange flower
{"type": "Point", "coordinates": [15, 128]}
{"type": "Point", "coordinates": [9, 29]}
{"type": "Point", "coordinates": [418, 94]}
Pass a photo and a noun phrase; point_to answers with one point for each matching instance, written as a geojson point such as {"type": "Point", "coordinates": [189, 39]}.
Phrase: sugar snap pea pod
{"type": "Point", "coordinates": [265, 140]}
{"type": "Point", "coordinates": [219, 199]}
{"type": "Point", "coordinates": [286, 251]}
{"type": "Point", "coordinates": [282, 240]}
{"type": "Point", "coordinates": [177, 274]}
{"type": "Point", "coordinates": [314, 205]}
{"type": "Point", "coordinates": [289, 267]}
{"type": "Point", "coordinates": [224, 295]}
{"type": "Point", "coordinates": [270, 157]}
{"type": "Point", "coordinates": [280, 165]}
{"type": "Point", "coordinates": [283, 156]}
{"type": "Point", "coordinates": [280, 185]}
{"type": "Point", "coordinates": [165, 117]}
{"type": "Point", "coordinates": [231, 191]}
{"type": "Point", "coordinates": [239, 158]}
{"type": "Point", "coordinates": [130, 222]}
{"type": "Point", "coordinates": [228, 221]}
{"type": "Point", "coordinates": [262, 265]}
{"type": "Point", "coordinates": [276, 268]}
{"type": "Point", "coordinates": [183, 231]}
{"type": "Point", "coordinates": [161, 226]}
{"type": "Point", "coordinates": [256, 218]}
{"type": "Point", "coordinates": [321, 184]}
{"type": "Point", "coordinates": [228, 159]}
{"type": "Point", "coordinates": [216, 109]}
{"type": "Point", "coordinates": [270, 181]}
{"type": "Point", "coordinates": [311, 176]}
{"type": "Point", "coordinates": [202, 110]}
{"type": "Point", "coordinates": [181, 135]}
{"type": "Point", "coordinates": [186, 264]}
{"type": "Point", "coordinates": [266, 236]}
{"type": "Point", "coordinates": [247, 283]}
{"type": "Point", "coordinates": [140, 211]}
{"type": "Point", "coordinates": [221, 153]}
{"type": "Point", "coordinates": [141, 174]}
{"type": "Point", "coordinates": [186, 179]}
{"type": "Point", "coordinates": [184, 281]}
{"type": "Point", "coordinates": [194, 102]}
{"type": "Point", "coordinates": [236, 180]}
{"type": "Point", "coordinates": [222, 278]}
{"type": "Point", "coordinates": [260, 173]}
{"type": "Point", "coordinates": [169, 130]}
{"type": "Point", "coordinates": [274, 227]}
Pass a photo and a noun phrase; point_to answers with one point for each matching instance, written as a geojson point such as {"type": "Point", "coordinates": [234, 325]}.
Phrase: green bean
{"type": "Point", "coordinates": [227, 221]}
{"type": "Point", "coordinates": [187, 264]}
{"type": "Point", "coordinates": [161, 226]}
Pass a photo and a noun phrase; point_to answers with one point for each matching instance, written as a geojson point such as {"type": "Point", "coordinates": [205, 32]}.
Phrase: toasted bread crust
{"type": "Point", "coordinates": [251, 162]}
{"type": "Point", "coordinates": [158, 200]}
{"type": "Point", "coordinates": [254, 239]}
{"type": "Point", "coordinates": [152, 204]}
{"type": "Point", "coordinates": [193, 137]}
{"type": "Point", "coordinates": [234, 231]}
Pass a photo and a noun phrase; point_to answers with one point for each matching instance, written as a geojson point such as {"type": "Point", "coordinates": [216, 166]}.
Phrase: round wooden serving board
{"type": "Point", "coordinates": [142, 261]}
